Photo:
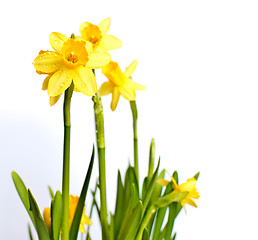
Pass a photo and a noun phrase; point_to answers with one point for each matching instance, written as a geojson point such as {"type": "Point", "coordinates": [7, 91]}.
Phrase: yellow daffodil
{"type": "Point", "coordinates": [188, 186]}
{"type": "Point", "coordinates": [71, 61]}
{"type": "Point", "coordinates": [73, 201]}
{"type": "Point", "coordinates": [119, 83]}
{"type": "Point", "coordinates": [98, 37]}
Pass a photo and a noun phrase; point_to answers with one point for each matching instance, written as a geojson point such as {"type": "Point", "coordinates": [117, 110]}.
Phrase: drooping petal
{"type": "Point", "coordinates": [56, 40]}
{"type": "Point", "coordinates": [98, 60]}
{"type": "Point", "coordinates": [106, 88]}
{"type": "Point", "coordinates": [130, 69]}
{"type": "Point", "coordinates": [84, 80]}
{"type": "Point", "coordinates": [48, 62]}
{"type": "Point", "coordinates": [45, 82]}
{"type": "Point", "coordinates": [104, 26]}
{"type": "Point", "coordinates": [53, 100]}
{"type": "Point", "coordinates": [110, 42]}
{"type": "Point", "coordinates": [189, 201]}
{"type": "Point", "coordinates": [127, 93]}
{"type": "Point", "coordinates": [115, 98]}
{"type": "Point", "coordinates": [60, 81]}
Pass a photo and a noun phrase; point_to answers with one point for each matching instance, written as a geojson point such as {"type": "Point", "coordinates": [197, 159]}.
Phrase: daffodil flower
{"type": "Point", "coordinates": [98, 37]}
{"type": "Point", "coordinates": [119, 83]}
{"type": "Point", "coordinates": [71, 61]}
{"type": "Point", "coordinates": [73, 201]}
{"type": "Point", "coordinates": [188, 186]}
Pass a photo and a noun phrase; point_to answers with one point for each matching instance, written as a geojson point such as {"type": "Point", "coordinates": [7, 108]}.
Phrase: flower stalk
{"type": "Point", "coordinates": [99, 124]}
{"type": "Point", "coordinates": [66, 162]}
{"type": "Point", "coordinates": [135, 138]}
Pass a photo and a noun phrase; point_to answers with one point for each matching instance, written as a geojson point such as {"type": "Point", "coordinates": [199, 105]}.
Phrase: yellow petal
{"type": "Point", "coordinates": [48, 62]}
{"type": "Point", "coordinates": [189, 201]}
{"type": "Point", "coordinates": [106, 88]}
{"type": "Point", "coordinates": [81, 228]}
{"type": "Point", "coordinates": [130, 69]}
{"type": "Point", "coordinates": [110, 42]}
{"type": "Point", "coordinates": [56, 41]}
{"type": "Point", "coordinates": [188, 185]}
{"type": "Point", "coordinates": [84, 80]}
{"type": "Point", "coordinates": [104, 26]}
{"type": "Point", "coordinates": [60, 81]}
{"type": "Point", "coordinates": [98, 60]}
{"type": "Point", "coordinates": [135, 86]}
{"type": "Point", "coordinates": [47, 217]}
{"type": "Point", "coordinates": [127, 92]}
{"type": "Point", "coordinates": [115, 98]}
{"type": "Point", "coordinates": [86, 220]}
{"type": "Point", "coordinates": [53, 100]}
{"type": "Point", "coordinates": [45, 82]}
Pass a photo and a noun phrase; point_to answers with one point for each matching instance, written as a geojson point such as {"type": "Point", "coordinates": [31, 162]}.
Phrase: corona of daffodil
{"type": "Point", "coordinates": [188, 186]}
{"type": "Point", "coordinates": [98, 37]}
{"type": "Point", "coordinates": [73, 201]}
{"type": "Point", "coordinates": [119, 83]}
{"type": "Point", "coordinates": [71, 61]}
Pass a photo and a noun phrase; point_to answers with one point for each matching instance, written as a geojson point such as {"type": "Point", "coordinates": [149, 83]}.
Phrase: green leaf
{"type": "Point", "coordinates": [151, 158]}
{"type": "Point", "coordinates": [171, 219]}
{"type": "Point", "coordinates": [175, 176]}
{"type": "Point", "coordinates": [144, 186]}
{"type": "Point", "coordinates": [145, 235]}
{"type": "Point", "coordinates": [174, 237]}
{"type": "Point", "coordinates": [150, 188]}
{"type": "Point", "coordinates": [79, 209]}
{"type": "Point", "coordinates": [127, 209]}
{"type": "Point", "coordinates": [131, 224]}
{"type": "Point", "coordinates": [39, 222]}
{"type": "Point", "coordinates": [119, 211]}
{"type": "Point", "coordinates": [160, 215]}
{"type": "Point", "coordinates": [56, 215]}
{"type": "Point", "coordinates": [23, 193]}
{"type": "Point", "coordinates": [196, 176]}
{"type": "Point", "coordinates": [154, 196]}
{"type": "Point", "coordinates": [30, 233]}
{"type": "Point", "coordinates": [169, 198]}
{"type": "Point", "coordinates": [51, 192]}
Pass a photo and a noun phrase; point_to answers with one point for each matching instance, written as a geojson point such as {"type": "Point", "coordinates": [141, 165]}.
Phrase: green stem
{"type": "Point", "coordinates": [66, 163]}
{"type": "Point", "coordinates": [145, 222]}
{"type": "Point", "coordinates": [99, 123]}
{"type": "Point", "coordinates": [135, 116]}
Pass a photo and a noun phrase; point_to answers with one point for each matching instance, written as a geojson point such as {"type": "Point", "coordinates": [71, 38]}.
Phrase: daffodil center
{"type": "Point", "coordinates": [72, 57]}
{"type": "Point", "coordinates": [74, 53]}
{"type": "Point", "coordinates": [91, 33]}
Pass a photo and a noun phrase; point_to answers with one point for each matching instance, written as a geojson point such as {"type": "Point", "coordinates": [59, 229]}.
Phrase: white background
{"type": "Point", "coordinates": [199, 62]}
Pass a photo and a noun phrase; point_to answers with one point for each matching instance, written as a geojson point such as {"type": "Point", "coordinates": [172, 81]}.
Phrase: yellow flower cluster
{"type": "Point", "coordinates": [189, 186]}
{"type": "Point", "coordinates": [73, 201]}
{"type": "Point", "coordinates": [74, 58]}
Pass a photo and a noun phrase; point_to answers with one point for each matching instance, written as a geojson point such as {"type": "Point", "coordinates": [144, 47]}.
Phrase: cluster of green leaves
{"type": "Point", "coordinates": [141, 214]}
{"type": "Point", "coordinates": [32, 208]}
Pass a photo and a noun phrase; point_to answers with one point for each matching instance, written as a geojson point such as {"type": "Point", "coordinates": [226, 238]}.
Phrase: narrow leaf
{"type": "Point", "coordinates": [131, 224]}
{"type": "Point", "coordinates": [119, 212]}
{"type": "Point", "coordinates": [161, 215]}
{"type": "Point", "coordinates": [150, 188]}
{"type": "Point", "coordinates": [79, 209]}
{"type": "Point", "coordinates": [23, 193]}
{"type": "Point", "coordinates": [51, 192]}
{"type": "Point", "coordinates": [56, 215]}
{"type": "Point", "coordinates": [151, 158]}
{"type": "Point", "coordinates": [30, 233]}
{"type": "Point", "coordinates": [39, 222]}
